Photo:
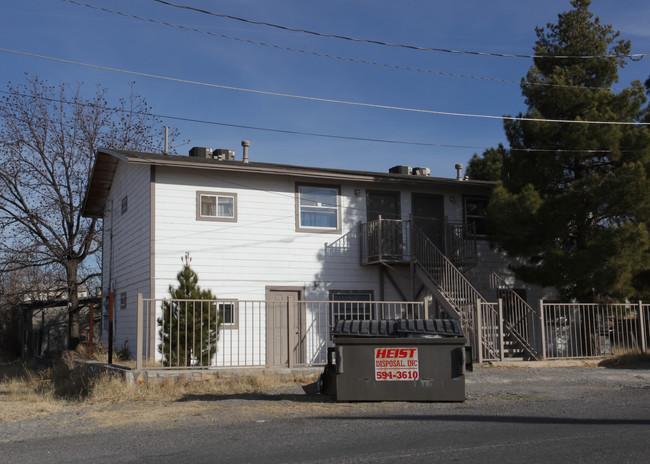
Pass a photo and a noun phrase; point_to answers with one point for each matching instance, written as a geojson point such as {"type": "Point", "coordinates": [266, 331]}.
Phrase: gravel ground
{"type": "Point", "coordinates": [530, 385]}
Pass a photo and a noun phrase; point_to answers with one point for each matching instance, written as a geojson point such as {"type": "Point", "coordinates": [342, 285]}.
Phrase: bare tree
{"type": "Point", "coordinates": [48, 135]}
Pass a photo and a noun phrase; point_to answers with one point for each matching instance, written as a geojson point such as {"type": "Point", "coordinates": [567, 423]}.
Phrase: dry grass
{"type": "Point", "coordinates": [100, 354]}
{"type": "Point", "coordinates": [30, 392]}
{"type": "Point", "coordinates": [626, 359]}
{"type": "Point", "coordinates": [108, 389]}
{"type": "Point", "coordinates": [26, 392]}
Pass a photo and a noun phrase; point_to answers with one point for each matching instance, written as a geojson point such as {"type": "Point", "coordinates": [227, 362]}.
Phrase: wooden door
{"type": "Point", "coordinates": [384, 204]}
{"type": "Point", "coordinates": [285, 327]}
{"type": "Point", "coordinates": [384, 242]}
{"type": "Point", "coordinates": [429, 216]}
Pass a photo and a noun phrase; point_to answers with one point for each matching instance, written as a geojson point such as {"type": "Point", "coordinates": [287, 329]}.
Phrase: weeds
{"type": "Point", "coordinates": [65, 383]}
{"type": "Point", "coordinates": [626, 359]}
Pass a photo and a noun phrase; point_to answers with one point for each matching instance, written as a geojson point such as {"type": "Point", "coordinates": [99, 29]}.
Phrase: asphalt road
{"type": "Point", "coordinates": [569, 415]}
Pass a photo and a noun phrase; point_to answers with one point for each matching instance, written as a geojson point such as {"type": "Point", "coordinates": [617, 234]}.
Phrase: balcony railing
{"type": "Point", "coordinates": [389, 241]}
{"type": "Point", "coordinates": [385, 240]}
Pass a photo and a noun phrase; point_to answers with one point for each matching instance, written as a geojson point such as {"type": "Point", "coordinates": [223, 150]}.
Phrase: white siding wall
{"type": "Point", "coordinates": [126, 265]}
{"type": "Point", "coordinates": [263, 248]}
{"type": "Point", "coordinates": [240, 259]}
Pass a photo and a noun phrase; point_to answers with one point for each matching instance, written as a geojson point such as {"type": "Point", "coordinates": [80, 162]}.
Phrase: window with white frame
{"type": "Point", "coordinates": [228, 314]}
{"type": "Point", "coordinates": [213, 206]}
{"type": "Point", "coordinates": [350, 305]}
{"type": "Point", "coordinates": [317, 208]}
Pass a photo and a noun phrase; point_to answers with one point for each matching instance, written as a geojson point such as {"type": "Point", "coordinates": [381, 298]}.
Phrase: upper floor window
{"type": "Point", "coordinates": [211, 206]}
{"type": "Point", "coordinates": [318, 208]}
{"type": "Point", "coordinates": [475, 210]}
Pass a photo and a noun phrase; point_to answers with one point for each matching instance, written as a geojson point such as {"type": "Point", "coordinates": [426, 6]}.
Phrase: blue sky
{"type": "Point", "coordinates": [61, 29]}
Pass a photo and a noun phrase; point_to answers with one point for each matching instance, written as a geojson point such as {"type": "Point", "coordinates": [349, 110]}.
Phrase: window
{"type": "Point", "coordinates": [125, 204]}
{"type": "Point", "coordinates": [475, 209]}
{"type": "Point", "coordinates": [346, 305]}
{"type": "Point", "coordinates": [123, 300]}
{"type": "Point", "coordinates": [317, 208]}
{"type": "Point", "coordinates": [211, 206]}
{"type": "Point", "coordinates": [228, 313]}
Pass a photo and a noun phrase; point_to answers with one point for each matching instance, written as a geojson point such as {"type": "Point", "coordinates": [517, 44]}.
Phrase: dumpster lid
{"type": "Point", "coordinates": [398, 328]}
{"type": "Point", "coordinates": [375, 328]}
{"type": "Point", "coordinates": [440, 327]}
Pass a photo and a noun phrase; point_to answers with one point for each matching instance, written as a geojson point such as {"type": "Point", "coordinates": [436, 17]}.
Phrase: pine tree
{"type": "Point", "coordinates": [573, 202]}
{"type": "Point", "coordinates": [188, 330]}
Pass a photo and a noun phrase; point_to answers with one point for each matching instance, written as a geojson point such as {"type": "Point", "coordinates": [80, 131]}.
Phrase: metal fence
{"type": "Point", "coordinates": [572, 330]}
{"type": "Point", "coordinates": [489, 342]}
{"type": "Point", "coordinates": [563, 330]}
{"type": "Point", "coordinates": [183, 334]}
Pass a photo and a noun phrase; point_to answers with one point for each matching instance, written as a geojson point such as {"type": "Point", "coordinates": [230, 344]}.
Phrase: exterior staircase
{"type": "Point", "coordinates": [494, 331]}
{"type": "Point", "coordinates": [450, 288]}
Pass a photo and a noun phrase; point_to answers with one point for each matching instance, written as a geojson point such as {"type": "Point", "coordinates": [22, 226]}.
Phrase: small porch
{"type": "Point", "coordinates": [393, 241]}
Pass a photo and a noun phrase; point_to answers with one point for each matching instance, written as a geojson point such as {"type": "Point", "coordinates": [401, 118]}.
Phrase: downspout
{"type": "Point", "coordinates": [111, 284]}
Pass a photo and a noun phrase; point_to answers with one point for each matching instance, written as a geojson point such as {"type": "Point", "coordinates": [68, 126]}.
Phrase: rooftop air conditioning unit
{"type": "Point", "coordinates": [400, 170]}
{"type": "Point", "coordinates": [222, 154]}
{"type": "Point", "coordinates": [201, 152]}
{"type": "Point", "coordinates": [421, 171]}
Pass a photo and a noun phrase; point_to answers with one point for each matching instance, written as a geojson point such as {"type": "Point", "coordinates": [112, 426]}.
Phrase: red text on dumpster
{"type": "Point", "coordinates": [396, 364]}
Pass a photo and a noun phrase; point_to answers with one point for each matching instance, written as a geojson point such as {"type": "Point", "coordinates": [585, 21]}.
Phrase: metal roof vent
{"type": "Point", "coordinates": [459, 171]}
{"type": "Point", "coordinates": [201, 152]}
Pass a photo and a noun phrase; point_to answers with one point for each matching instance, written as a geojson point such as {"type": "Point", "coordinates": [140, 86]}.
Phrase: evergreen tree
{"type": "Point", "coordinates": [573, 201]}
{"type": "Point", "coordinates": [489, 166]}
{"type": "Point", "coordinates": [189, 330]}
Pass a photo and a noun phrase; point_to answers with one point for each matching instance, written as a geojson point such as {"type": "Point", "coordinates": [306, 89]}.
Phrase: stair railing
{"type": "Point", "coordinates": [452, 285]}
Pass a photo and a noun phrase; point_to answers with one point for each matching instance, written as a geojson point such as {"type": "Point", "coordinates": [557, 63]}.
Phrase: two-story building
{"type": "Point", "coordinates": [264, 232]}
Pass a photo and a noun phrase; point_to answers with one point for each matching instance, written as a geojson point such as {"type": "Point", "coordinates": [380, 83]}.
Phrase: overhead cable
{"type": "Point", "coordinates": [311, 134]}
{"type": "Point", "coordinates": [335, 57]}
{"type": "Point", "coordinates": [326, 100]}
{"type": "Point", "coordinates": [389, 44]}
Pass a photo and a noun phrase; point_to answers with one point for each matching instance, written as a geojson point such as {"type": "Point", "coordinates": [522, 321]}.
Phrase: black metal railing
{"type": "Point", "coordinates": [389, 240]}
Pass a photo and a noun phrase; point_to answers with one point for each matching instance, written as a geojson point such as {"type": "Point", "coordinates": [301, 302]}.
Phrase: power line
{"type": "Point", "coordinates": [335, 57]}
{"type": "Point", "coordinates": [389, 44]}
{"type": "Point", "coordinates": [311, 134]}
{"type": "Point", "coordinates": [327, 100]}
{"type": "Point", "coordinates": [242, 126]}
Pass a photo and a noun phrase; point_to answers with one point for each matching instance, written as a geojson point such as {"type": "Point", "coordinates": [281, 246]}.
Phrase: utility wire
{"type": "Point", "coordinates": [327, 100]}
{"type": "Point", "coordinates": [388, 44]}
{"type": "Point", "coordinates": [335, 57]}
{"type": "Point", "coordinates": [238, 126]}
{"type": "Point", "coordinates": [293, 132]}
